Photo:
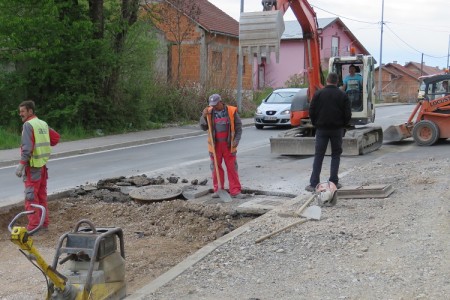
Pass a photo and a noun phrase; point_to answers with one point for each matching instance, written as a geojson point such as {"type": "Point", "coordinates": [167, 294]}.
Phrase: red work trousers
{"type": "Point", "coordinates": [35, 180]}
{"type": "Point", "coordinates": [223, 154]}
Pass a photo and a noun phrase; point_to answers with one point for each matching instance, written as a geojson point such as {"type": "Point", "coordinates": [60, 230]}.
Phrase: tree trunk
{"type": "Point", "coordinates": [96, 15]}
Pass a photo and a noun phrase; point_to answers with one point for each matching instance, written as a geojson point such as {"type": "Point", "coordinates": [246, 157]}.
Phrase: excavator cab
{"type": "Point", "coordinates": [361, 96]}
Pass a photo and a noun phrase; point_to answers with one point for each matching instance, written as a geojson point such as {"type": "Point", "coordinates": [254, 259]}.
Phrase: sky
{"type": "Point", "coordinates": [413, 30]}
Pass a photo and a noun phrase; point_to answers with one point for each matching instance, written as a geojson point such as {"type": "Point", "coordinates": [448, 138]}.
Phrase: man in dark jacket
{"type": "Point", "coordinates": [330, 112]}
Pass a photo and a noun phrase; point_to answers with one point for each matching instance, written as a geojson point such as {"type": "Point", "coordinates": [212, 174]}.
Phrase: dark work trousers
{"type": "Point", "coordinates": [322, 138]}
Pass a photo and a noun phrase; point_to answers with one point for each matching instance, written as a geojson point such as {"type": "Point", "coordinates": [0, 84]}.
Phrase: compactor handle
{"type": "Point", "coordinates": [28, 212]}
{"type": "Point", "coordinates": [91, 226]}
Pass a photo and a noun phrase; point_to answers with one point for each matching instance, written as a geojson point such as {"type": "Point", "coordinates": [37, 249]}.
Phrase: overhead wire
{"type": "Point", "coordinates": [385, 24]}
{"type": "Point", "coordinates": [343, 17]}
{"type": "Point", "coordinates": [390, 29]}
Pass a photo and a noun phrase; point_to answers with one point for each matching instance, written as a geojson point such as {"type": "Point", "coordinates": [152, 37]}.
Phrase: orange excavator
{"type": "Point", "coordinates": [259, 35]}
{"type": "Point", "coordinates": [430, 119]}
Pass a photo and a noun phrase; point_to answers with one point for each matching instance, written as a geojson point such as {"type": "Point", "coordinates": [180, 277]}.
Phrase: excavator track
{"type": "Point", "coordinates": [358, 141]}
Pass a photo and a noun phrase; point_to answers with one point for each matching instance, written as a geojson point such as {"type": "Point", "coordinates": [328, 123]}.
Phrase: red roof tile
{"type": "Point", "coordinates": [400, 70]}
{"type": "Point", "coordinates": [426, 70]}
{"type": "Point", "coordinates": [213, 19]}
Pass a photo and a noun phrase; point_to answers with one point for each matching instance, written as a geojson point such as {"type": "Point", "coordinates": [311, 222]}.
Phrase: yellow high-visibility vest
{"type": "Point", "coordinates": [42, 149]}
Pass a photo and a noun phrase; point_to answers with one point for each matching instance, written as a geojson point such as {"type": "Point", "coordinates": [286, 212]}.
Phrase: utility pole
{"type": "Point", "coordinates": [421, 65]}
{"type": "Point", "coordinates": [380, 68]}
{"type": "Point", "coordinates": [240, 62]}
{"type": "Point", "coordinates": [448, 52]}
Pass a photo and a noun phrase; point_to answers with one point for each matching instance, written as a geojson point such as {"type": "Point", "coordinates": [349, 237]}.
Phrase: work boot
{"type": "Point", "coordinates": [338, 186]}
{"type": "Point", "coordinates": [240, 196]}
{"type": "Point", "coordinates": [310, 188]}
{"type": "Point", "coordinates": [215, 195]}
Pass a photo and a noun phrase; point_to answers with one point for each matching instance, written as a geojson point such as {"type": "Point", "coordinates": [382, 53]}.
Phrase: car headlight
{"type": "Point", "coordinates": [285, 112]}
{"type": "Point", "coordinates": [258, 111]}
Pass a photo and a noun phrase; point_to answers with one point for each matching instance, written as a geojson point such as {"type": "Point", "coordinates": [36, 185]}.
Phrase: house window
{"type": "Point", "coordinates": [217, 61]}
{"type": "Point", "coordinates": [334, 46]}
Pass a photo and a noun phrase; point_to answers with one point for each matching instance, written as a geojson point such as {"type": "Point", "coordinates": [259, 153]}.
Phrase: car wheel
{"type": "Point", "coordinates": [425, 133]}
{"type": "Point", "coordinates": [259, 126]}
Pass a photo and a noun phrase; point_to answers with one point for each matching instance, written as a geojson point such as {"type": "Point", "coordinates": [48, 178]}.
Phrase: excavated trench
{"type": "Point", "coordinates": [159, 233]}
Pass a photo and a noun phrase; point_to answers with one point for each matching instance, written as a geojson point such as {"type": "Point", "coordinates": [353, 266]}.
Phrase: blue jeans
{"type": "Point", "coordinates": [322, 138]}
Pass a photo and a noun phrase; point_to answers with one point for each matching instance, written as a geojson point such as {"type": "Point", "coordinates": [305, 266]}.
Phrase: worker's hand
{"type": "Point", "coordinates": [235, 143]}
{"type": "Point", "coordinates": [205, 112]}
{"type": "Point", "coordinates": [19, 170]}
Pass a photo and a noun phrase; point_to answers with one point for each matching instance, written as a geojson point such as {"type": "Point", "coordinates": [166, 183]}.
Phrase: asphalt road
{"type": "Point", "coordinates": [187, 157]}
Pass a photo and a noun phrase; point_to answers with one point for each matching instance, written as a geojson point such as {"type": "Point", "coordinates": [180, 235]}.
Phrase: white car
{"type": "Point", "coordinates": [275, 110]}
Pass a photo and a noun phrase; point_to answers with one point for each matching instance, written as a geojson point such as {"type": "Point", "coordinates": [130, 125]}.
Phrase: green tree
{"type": "Point", "coordinates": [67, 56]}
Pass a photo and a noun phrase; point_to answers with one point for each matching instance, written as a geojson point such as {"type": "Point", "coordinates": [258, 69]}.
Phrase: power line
{"type": "Point", "coordinates": [444, 29]}
{"type": "Point", "coordinates": [418, 51]}
{"type": "Point", "coordinates": [385, 23]}
{"type": "Point", "coordinates": [343, 17]}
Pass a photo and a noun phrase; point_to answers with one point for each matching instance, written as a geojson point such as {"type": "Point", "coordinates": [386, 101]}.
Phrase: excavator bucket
{"type": "Point", "coordinates": [396, 133]}
{"type": "Point", "coordinates": [260, 33]}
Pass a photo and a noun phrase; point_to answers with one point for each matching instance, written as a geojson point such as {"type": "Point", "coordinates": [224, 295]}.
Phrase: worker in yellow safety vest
{"type": "Point", "coordinates": [37, 139]}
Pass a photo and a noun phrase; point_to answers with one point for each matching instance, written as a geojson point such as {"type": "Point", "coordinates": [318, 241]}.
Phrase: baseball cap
{"type": "Point", "coordinates": [214, 99]}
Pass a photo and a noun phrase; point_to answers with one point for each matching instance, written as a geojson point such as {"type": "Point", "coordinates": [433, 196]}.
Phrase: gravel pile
{"type": "Point", "coordinates": [393, 248]}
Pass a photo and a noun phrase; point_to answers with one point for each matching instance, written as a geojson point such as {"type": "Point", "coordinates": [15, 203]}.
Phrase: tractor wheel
{"type": "Point", "coordinates": [425, 133]}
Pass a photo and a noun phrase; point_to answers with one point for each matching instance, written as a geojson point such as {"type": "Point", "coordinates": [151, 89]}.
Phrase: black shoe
{"type": "Point", "coordinates": [338, 186]}
{"type": "Point", "coordinates": [310, 188]}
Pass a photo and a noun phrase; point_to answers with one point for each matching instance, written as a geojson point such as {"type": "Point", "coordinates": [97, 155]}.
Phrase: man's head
{"type": "Point", "coordinates": [332, 78]}
{"type": "Point", "coordinates": [352, 69]}
{"type": "Point", "coordinates": [26, 109]}
{"type": "Point", "coordinates": [215, 101]}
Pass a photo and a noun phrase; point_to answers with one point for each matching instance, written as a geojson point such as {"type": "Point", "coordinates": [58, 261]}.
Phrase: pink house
{"type": "Point", "coordinates": [335, 40]}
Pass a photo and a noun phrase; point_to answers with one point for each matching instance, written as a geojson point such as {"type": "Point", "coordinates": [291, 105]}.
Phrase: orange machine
{"type": "Point", "coordinates": [430, 119]}
{"type": "Point", "coordinates": [259, 35]}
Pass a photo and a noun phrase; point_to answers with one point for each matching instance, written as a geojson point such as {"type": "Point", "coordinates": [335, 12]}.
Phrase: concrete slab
{"type": "Point", "coordinates": [365, 191]}
{"type": "Point", "coordinates": [260, 204]}
{"type": "Point", "coordinates": [195, 191]}
{"type": "Point", "coordinates": [255, 204]}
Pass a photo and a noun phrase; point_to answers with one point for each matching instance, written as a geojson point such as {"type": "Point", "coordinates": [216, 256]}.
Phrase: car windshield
{"type": "Point", "coordinates": [280, 97]}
